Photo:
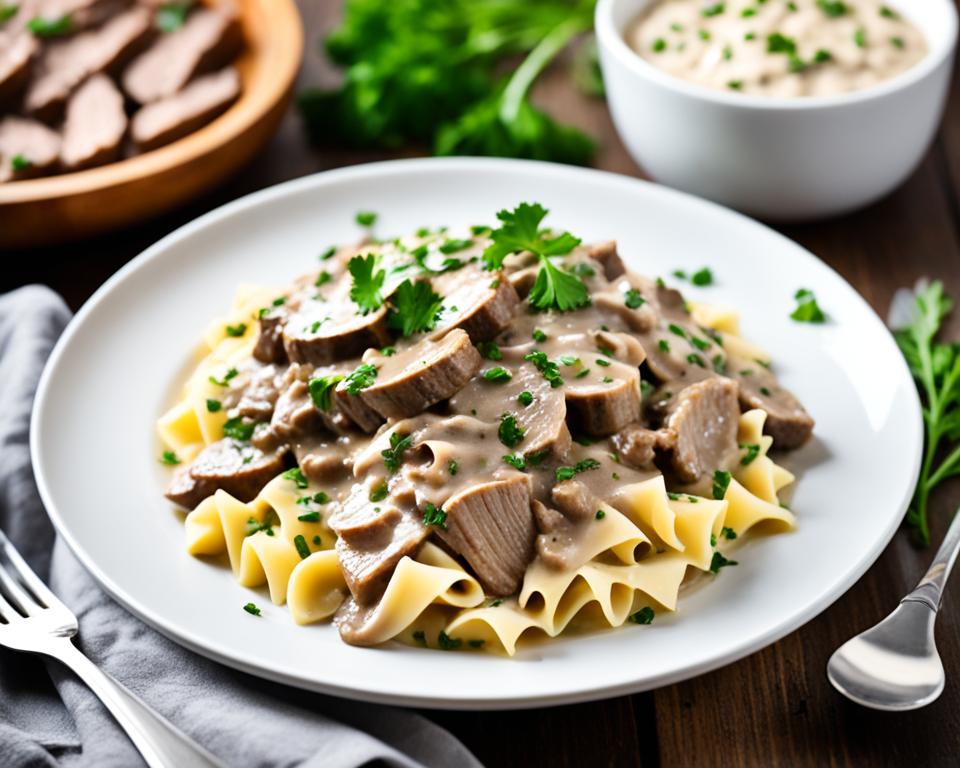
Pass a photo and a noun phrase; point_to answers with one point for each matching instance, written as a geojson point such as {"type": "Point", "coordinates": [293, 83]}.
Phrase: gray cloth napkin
{"type": "Point", "coordinates": [49, 718]}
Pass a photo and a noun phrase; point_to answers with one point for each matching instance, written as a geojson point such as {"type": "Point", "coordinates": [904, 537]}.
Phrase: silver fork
{"type": "Point", "coordinates": [32, 619]}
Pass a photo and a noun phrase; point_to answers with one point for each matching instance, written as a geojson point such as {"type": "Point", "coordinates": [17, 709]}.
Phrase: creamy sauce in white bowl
{"type": "Point", "coordinates": [779, 48]}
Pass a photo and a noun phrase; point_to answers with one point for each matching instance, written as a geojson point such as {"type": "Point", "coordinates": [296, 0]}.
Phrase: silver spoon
{"type": "Point", "coordinates": [894, 665]}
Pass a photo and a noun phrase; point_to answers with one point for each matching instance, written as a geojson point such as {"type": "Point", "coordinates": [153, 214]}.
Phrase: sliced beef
{"type": "Point", "coordinates": [84, 14]}
{"type": "Point", "coordinates": [64, 64]}
{"type": "Point", "coordinates": [238, 468]}
{"type": "Point", "coordinates": [209, 39]}
{"type": "Point", "coordinates": [610, 261]}
{"type": "Point", "coordinates": [491, 526]}
{"type": "Point", "coordinates": [259, 396]}
{"type": "Point", "coordinates": [294, 417]}
{"type": "Point", "coordinates": [599, 408]}
{"type": "Point", "coordinates": [523, 279]}
{"type": "Point", "coordinates": [95, 125]}
{"type": "Point", "coordinates": [787, 422]}
{"type": "Point", "coordinates": [486, 302]}
{"type": "Point", "coordinates": [269, 347]}
{"type": "Point", "coordinates": [16, 53]}
{"type": "Point", "coordinates": [426, 373]}
{"type": "Point", "coordinates": [176, 116]}
{"type": "Point", "coordinates": [641, 319]}
{"type": "Point", "coordinates": [357, 411]}
{"type": "Point", "coordinates": [321, 460]}
{"type": "Point", "coordinates": [372, 539]}
{"type": "Point", "coordinates": [325, 332]}
{"type": "Point", "coordinates": [638, 446]}
{"type": "Point", "coordinates": [623, 347]}
{"type": "Point", "coordinates": [705, 417]}
{"type": "Point", "coordinates": [22, 139]}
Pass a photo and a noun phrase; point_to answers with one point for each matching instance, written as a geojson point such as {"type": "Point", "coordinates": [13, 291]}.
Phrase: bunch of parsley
{"type": "Point", "coordinates": [430, 72]}
{"type": "Point", "coordinates": [936, 367]}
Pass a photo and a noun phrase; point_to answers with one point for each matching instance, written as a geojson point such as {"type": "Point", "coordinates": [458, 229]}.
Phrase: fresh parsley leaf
{"type": "Point", "coordinates": [295, 476]}
{"type": "Point", "coordinates": [516, 461]}
{"type": "Point", "coordinates": [752, 451]}
{"type": "Point", "coordinates": [251, 609]}
{"type": "Point", "coordinates": [566, 473]}
{"type": "Point", "coordinates": [169, 458]}
{"type": "Point", "coordinates": [548, 369]}
{"type": "Point", "coordinates": [8, 11]}
{"type": "Point", "coordinates": [303, 549]}
{"type": "Point", "coordinates": [719, 561]}
{"type": "Point", "coordinates": [833, 8]}
{"type": "Point", "coordinates": [434, 516]}
{"type": "Point", "coordinates": [224, 381]}
{"type": "Point", "coordinates": [498, 375]}
{"type": "Point", "coordinates": [321, 390]}
{"type": "Point", "coordinates": [509, 432]}
{"type": "Point", "coordinates": [237, 330]}
{"type": "Point", "coordinates": [213, 406]}
{"type": "Point", "coordinates": [360, 378]}
{"type": "Point", "coordinates": [525, 398]}
{"type": "Point", "coordinates": [447, 643]}
{"type": "Point", "coordinates": [721, 481]}
{"type": "Point", "coordinates": [415, 308]}
{"type": "Point", "coordinates": [490, 350]}
{"type": "Point", "coordinates": [238, 429]}
{"type": "Point", "coordinates": [807, 311]}
{"type": "Point", "coordinates": [728, 533]}
{"type": "Point", "coordinates": [366, 218]}
{"type": "Point", "coordinates": [633, 299]}
{"type": "Point", "coordinates": [47, 28]}
{"type": "Point", "coordinates": [366, 291]}
{"type": "Point", "coordinates": [520, 231]}
{"type": "Point", "coordinates": [453, 466]}
{"type": "Point", "coordinates": [19, 163]}
{"type": "Point", "coordinates": [643, 616]}
{"type": "Point", "coordinates": [170, 16]}
{"type": "Point", "coordinates": [393, 456]}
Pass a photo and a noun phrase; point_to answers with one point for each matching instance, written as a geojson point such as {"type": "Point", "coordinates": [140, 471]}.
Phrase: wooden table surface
{"type": "Point", "coordinates": [774, 708]}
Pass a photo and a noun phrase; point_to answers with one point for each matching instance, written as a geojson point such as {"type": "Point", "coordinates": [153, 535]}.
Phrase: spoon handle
{"type": "Point", "coordinates": [930, 589]}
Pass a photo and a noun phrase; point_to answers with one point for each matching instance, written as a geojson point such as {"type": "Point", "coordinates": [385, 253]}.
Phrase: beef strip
{"type": "Point", "coordinates": [787, 422]}
{"type": "Point", "coordinates": [425, 373]}
{"type": "Point", "coordinates": [638, 446]}
{"type": "Point", "coordinates": [294, 416]}
{"type": "Point", "coordinates": [269, 347]}
{"type": "Point", "coordinates": [610, 261]}
{"type": "Point", "coordinates": [176, 116]}
{"type": "Point", "coordinates": [372, 539]}
{"type": "Point", "coordinates": [16, 53]}
{"type": "Point", "coordinates": [64, 64]}
{"type": "Point", "coordinates": [209, 39]}
{"type": "Point", "coordinates": [491, 526]}
{"type": "Point", "coordinates": [357, 411]}
{"type": "Point", "coordinates": [705, 417]}
{"type": "Point", "coordinates": [259, 396]}
{"type": "Point", "coordinates": [486, 302]}
{"type": "Point", "coordinates": [30, 141]}
{"type": "Point", "coordinates": [238, 468]}
{"type": "Point", "coordinates": [321, 332]}
{"type": "Point", "coordinates": [95, 125]}
{"type": "Point", "coordinates": [84, 14]}
{"type": "Point", "coordinates": [600, 409]}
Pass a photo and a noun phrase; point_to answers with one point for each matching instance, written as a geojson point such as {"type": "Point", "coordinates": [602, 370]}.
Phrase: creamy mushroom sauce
{"type": "Point", "coordinates": [551, 390]}
{"type": "Point", "coordinates": [780, 48]}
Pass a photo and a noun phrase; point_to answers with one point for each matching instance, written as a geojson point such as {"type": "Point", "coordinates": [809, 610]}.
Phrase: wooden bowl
{"type": "Point", "coordinates": [74, 205]}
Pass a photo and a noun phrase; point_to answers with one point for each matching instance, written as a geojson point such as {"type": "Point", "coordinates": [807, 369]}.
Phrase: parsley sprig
{"type": "Point", "coordinates": [367, 289]}
{"type": "Point", "coordinates": [415, 308]}
{"type": "Point", "coordinates": [936, 368]}
{"type": "Point", "coordinates": [520, 231]}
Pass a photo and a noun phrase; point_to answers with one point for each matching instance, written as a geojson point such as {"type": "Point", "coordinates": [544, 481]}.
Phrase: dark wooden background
{"type": "Point", "coordinates": [774, 708]}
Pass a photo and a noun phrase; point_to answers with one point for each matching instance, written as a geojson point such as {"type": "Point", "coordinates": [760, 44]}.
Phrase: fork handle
{"type": "Point", "coordinates": [161, 744]}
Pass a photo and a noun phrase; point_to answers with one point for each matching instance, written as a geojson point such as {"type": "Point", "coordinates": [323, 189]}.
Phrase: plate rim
{"type": "Point", "coordinates": [241, 661]}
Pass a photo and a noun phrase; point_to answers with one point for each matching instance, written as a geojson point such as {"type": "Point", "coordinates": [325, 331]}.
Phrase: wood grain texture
{"type": "Point", "coordinates": [774, 708]}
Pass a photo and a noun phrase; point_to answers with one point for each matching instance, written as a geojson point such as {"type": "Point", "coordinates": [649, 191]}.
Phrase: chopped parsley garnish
{"type": "Point", "coordinates": [822, 56]}
{"type": "Point", "coordinates": [566, 473]}
{"type": "Point", "coordinates": [251, 609]}
{"type": "Point", "coordinates": [295, 476]}
{"type": "Point", "coordinates": [476, 643]}
{"type": "Point", "coordinates": [664, 346]}
{"type": "Point", "coordinates": [8, 11]}
{"type": "Point", "coordinates": [169, 458]}
{"type": "Point", "coordinates": [728, 533]}
{"type": "Point", "coordinates": [676, 330]}
{"type": "Point", "coordinates": [321, 391]}
{"type": "Point", "coordinates": [498, 375]}
{"type": "Point", "coordinates": [366, 218]}
{"type": "Point", "coordinates": [393, 456]}
{"type": "Point", "coordinates": [600, 514]}
{"type": "Point", "coordinates": [419, 636]}
{"type": "Point", "coordinates": [752, 451]}
{"type": "Point", "coordinates": [447, 643]}
{"type": "Point", "coordinates": [539, 336]}
{"type": "Point", "coordinates": [236, 330]}
{"type": "Point", "coordinates": [238, 429]}
{"type": "Point", "coordinates": [223, 382]}
{"type": "Point", "coordinates": [702, 277]}
{"type": "Point", "coordinates": [308, 517]}
{"type": "Point", "coordinates": [452, 246]}
{"type": "Point", "coordinates": [360, 378]}
{"type": "Point", "coordinates": [888, 13]}
{"type": "Point", "coordinates": [323, 278]}
{"type": "Point", "coordinates": [735, 85]}
{"type": "Point", "coordinates": [490, 350]}
{"type": "Point", "coordinates": [378, 492]}
{"type": "Point", "coordinates": [329, 253]}
{"type": "Point", "coordinates": [699, 343]}
{"type": "Point", "coordinates": [607, 380]}
{"type": "Point", "coordinates": [415, 308]}
{"type": "Point", "coordinates": [46, 28]}
{"type": "Point", "coordinates": [695, 359]}
{"type": "Point", "coordinates": [897, 42]}
{"type": "Point", "coordinates": [860, 37]}
{"type": "Point", "coordinates": [780, 43]}
{"type": "Point", "coordinates": [213, 405]}
{"type": "Point", "coordinates": [434, 516]}
{"type": "Point", "coordinates": [643, 616]}
{"type": "Point", "coordinates": [720, 364]}
{"type": "Point", "coordinates": [583, 270]}
{"type": "Point", "coordinates": [520, 231]}
{"type": "Point", "coordinates": [765, 391]}
{"type": "Point", "coordinates": [659, 45]}
{"type": "Point", "coordinates": [20, 162]}
{"type": "Point", "coordinates": [746, 13]}
{"type": "Point", "coordinates": [582, 374]}
{"type": "Point", "coordinates": [721, 481]}
{"type": "Point", "coordinates": [719, 561]}
{"type": "Point", "coordinates": [516, 461]}
{"type": "Point", "coordinates": [318, 498]}
{"type": "Point", "coordinates": [633, 299]}
{"type": "Point", "coordinates": [170, 16]}
{"type": "Point", "coordinates": [525, 398]}
{"type": "Point", "coordinates": [548, 369]}
{"type": "Point", "coordinates": [303, 548]}
{"type": "Point", "coordinates": [807, 311]}
{"type": "Point", "coordinates": [713, 10]}
{"type": "Point", "coordinates": [509, 432]}
{"type": "Point", "coordinates": [453, 466]}
{"type": "Point", "coordinates": [569, 360]}
{"type": "Point", "coordinates": [367, 283]}
{"type": "Point", "coordinates": [833, 8]}
{"type": "Point", "coordinates": [316, 541]}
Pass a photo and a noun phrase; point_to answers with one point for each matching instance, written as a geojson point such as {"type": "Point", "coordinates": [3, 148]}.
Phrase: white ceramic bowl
{"type": "Point", "coordinates": [778, 158]}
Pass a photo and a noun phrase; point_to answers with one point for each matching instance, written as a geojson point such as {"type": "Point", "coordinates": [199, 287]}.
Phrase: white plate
{"type": "Point", "coordinates": [115, 369]}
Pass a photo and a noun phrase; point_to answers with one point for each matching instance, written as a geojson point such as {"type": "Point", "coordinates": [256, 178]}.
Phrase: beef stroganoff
{"type": "Point", "coordinates": [451, 439]}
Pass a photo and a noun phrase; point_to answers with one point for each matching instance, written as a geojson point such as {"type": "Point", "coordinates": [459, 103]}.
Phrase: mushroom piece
{"type": "Point", "coordinates": [610, 261]}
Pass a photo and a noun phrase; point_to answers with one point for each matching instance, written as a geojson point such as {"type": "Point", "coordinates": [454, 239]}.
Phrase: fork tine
{"type": "Point", "coordinates": [40, 590]}
{"type": "Point", "coordinates": [15, 594]}
{"type": "Point", "coordinates": [8, 613]}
